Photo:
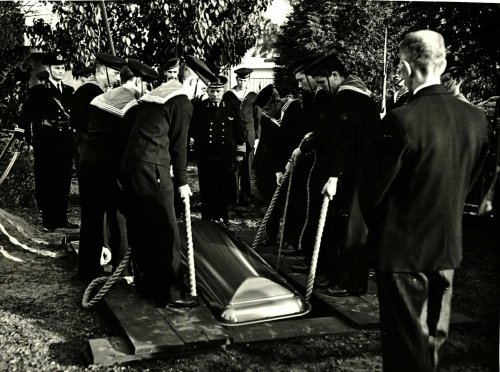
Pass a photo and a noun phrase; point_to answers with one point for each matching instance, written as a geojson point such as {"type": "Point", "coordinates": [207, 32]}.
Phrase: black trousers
{"type": "Point", "coordinates": [53, 164]}
{"type": "Point", "coordinates": [415, 312]}
{"type": "Point", "coordinates": [152, 228]}
{"type": "Point", "coordinates": [216, 180]}
{"type": "Point", "coordinates": [245, 171]}
{"type": "Point", "coordinates": [101, 200]}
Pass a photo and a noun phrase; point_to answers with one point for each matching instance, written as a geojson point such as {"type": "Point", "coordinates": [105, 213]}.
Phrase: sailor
{"type": "Point", "coordinates": [171, 69]}
{"type": "Point", "coordinates": [100, 78]}
{"type": "Point", "coordinates": [244, 97]}
{"type": "Point", "coordinates": [47, 110]}
{"type": "Point", "coordinates": [158, 140]}
{"type": "Point", "coordinates": [112, 116]}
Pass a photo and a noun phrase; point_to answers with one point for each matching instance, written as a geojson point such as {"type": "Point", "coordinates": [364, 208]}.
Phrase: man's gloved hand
{"type": "Point", "coordinates": [330, 188]}
{"type": "Point", "coordinates": [239, 158]}
{"type": "Point", "coordinates": [279, 176]}
{"type": "Point", "coordinates": [256, 143]}
{"type": "Point", "coordinates": [185, 192]}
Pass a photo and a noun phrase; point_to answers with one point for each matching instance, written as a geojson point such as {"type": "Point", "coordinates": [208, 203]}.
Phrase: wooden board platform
{"type": "Point", "coordinates": [151, 332]}
{"type": "Point", "coordinates": [358, 311]}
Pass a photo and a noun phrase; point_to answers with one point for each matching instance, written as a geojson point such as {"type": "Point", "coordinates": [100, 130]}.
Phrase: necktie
{"type": "Point", "coordinates": [59, 85]}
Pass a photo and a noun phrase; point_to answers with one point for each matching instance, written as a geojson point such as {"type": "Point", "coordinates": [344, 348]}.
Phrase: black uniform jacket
{"type": "Point", "coordinates": [413, 188]}
{"type": "Point", "coordinates": [217, 131]}
{"type": "Point", "coordinates": [80, 115]}
{"type": "Point", "coordinates": [278, 138]}
{"type": "Point", "coordinates": [159, 134]}
{"type": "Point", "coordinates": [49, 111]}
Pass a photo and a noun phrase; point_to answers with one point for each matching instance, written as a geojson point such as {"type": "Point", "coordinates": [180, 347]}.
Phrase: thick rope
{"type": "Point", "coordinates": [308, 205]}
{"type": "Point", "coordinates": [190, 251]}
{"type": "Point", "coordinates": [283, 224]}
{"type": "Point", "coordinates": [262, 226]}
{"type": "Point", "coordinates": [317, 244]}
{"type": "Point", "coordinates": [106, 282]}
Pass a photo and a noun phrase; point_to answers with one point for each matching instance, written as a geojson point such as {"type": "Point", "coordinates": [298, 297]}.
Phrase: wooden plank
{"type": "Point", "coordinates": [288, 329]}
{"type": "Point", "coordinates": [195, 326]}
{"type": "Point", "coordinates": [144, 326]}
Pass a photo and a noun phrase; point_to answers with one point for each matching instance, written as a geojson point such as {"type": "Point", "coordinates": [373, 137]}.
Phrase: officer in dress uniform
{"type": "Point", "coordinates": [112, 116]}
{"type": "Point", "coordinates": [47, 113]}
{"type": "Point", "coordinates": [244, 97]}
{"type": "Point", "coordinates": [219, 142]}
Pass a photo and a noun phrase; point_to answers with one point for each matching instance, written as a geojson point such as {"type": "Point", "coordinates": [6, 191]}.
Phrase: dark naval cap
{"type": "Point", "coordinates": [217, 82]}
{"type": "Point", "coordinates": [327, 63]}
{"type": "Point", "coordinates": [54, 58]}
{"type": "Point", "coordinates": [84, 71]}
{"type": "Point", "coordinates": [243, 72]}
{"type": "Point", "coordinates": [264, 96]}
{"type": "Point", "coordinates": [171, 63]}
{"type": "Point", "coordinates": [142, 70]}
{"type": "Point", "coordinates": [200, 69]}
{"type": "Point", "coordinates": [109, 60]}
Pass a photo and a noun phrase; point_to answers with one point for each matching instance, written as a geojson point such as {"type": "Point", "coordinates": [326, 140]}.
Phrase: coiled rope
{"type": "Point", "coordinates": [107, 282]}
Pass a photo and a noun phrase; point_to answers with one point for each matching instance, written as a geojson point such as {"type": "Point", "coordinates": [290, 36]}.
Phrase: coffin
{"type": "Point", "coordinates": [236, 283]}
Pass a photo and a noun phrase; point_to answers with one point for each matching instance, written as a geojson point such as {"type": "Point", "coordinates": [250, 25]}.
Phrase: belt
{"type": "Point", "coordinates": [62, 125]}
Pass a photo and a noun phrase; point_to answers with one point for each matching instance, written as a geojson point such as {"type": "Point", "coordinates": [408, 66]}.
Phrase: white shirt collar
{"type": "Point", "coordinates": [425, 85]}
{"type": "Point", "coordinates": [55, 82]}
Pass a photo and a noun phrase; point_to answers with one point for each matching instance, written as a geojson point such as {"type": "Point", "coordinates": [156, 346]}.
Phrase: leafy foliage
{"type": "Point", "coordinates": [217, 31]}
{"type": "Point", "coordinates": [12, 62]}
{"type": "Point", "coordinates": [355, 30]}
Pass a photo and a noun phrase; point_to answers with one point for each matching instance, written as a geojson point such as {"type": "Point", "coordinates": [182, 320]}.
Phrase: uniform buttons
{"type": "Point", "coordinates": [209, 141]}
{"type": "Point", "coordinates": [223, 129]}
{"type": "Point", "coordinates": [210, 136]}
{"type": "Point", "coordinates": [210, 129]}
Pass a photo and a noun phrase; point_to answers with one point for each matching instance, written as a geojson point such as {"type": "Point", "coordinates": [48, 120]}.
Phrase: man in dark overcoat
{"type": "Point", "coordinates": [158, 141]}
{"type": "Point", "coordinates": [219, 143]}
{"type": "Point", "coordinates": [46, 118]}
{"type": "Point", "coordinates": [112, 115]}
{"type": "Point", "coordinates": [412, 193]}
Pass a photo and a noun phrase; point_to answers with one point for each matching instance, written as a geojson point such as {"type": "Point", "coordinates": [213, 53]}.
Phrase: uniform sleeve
{"type": "Point", "coordinates": [180, 118]}
{"type": "Point", "coordinates": [30, 111]}
{"type": "Point", "coordinates": [239, 132]}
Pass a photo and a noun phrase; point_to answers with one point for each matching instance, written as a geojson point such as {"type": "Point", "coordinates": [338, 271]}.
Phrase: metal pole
{"type": "Point", "coordinates": [384, 87]}
{"type": "Point", "coordinates": [106, 25]}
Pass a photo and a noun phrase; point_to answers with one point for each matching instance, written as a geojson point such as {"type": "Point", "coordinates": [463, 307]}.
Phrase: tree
{"type": "Point", "coordinates": [355, 30]}
{"type": "Point", "coordinates": [13, 54]}
{"type": "Point", "coordinates": [217, 31]}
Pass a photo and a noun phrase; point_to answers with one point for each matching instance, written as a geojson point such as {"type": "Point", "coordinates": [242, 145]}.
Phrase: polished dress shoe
{"type": "Point", "coordinates": [336, 291]}
{"type": "Point", "coordinates": [322, 283]}
{"type": "Point", "coordinates": [69, 225]}
{"type": "Point", "coordinates": [184, 303]}
{"type": "Point", "coordinates": [300, 267]}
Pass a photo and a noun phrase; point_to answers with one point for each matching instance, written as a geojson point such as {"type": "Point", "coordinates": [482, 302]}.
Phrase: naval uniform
{"type": "Point", "coordinates": [112, 116]}
{"type": "Point", "coordinates": [80, 116]}
{"type": "Point", "coordinates": [250, 122]}
{"type": "Point", "coordinates": [218, 137]}
{"type": "Point", "coordinates": [46, 116]}
{"type": "Point", "coordinates": [157, 141]}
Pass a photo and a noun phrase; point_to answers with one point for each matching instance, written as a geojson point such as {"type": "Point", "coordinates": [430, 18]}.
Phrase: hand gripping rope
{"type": "Point", "coordinates": [107, 282]}
{"type": "Point", "coordinates": [283, 224]}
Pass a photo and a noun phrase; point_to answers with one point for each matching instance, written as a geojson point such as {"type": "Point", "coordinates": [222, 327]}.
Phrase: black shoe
{"type": "Point", "coordinates": [288, 250]}
{"type": "Point", "coordinates": [336, 291]}
{"type": "Point", "coordinates": [322, 283]}
{"type": "Point", "coordinates": [268, 241]}
{"type": "Point", "coordinates": [69, 225]}
{"type": "Point", "coordinates": [48, 229]}
{"type": "Point", "coordinates": [301, 267]}
{"type": "Point", "coordinates": [184, 303]}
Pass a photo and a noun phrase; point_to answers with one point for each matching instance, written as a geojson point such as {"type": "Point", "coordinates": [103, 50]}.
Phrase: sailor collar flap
{"type": "Point", "coordinates": [117, 101]}
{"type": "Point", "coordinates": [285, 106]}
{"type": "Point", "coordinates": [164, 92]}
